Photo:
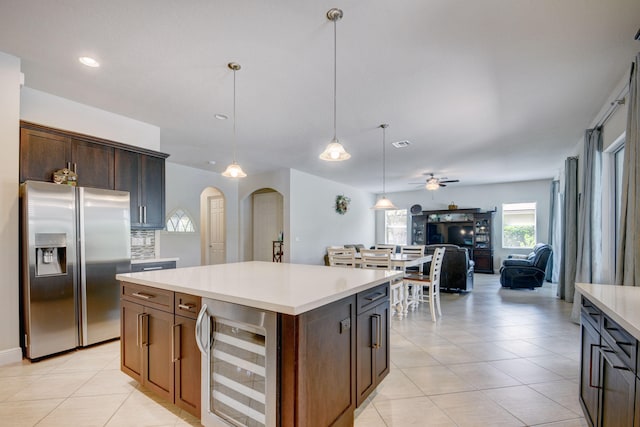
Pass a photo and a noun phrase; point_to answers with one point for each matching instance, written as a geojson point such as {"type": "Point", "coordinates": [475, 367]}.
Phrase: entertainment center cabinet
{"type": "Point", "coordinates": [467, 228]}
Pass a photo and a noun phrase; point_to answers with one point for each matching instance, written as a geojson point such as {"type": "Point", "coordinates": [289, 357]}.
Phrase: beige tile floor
{"type": "Point", "coordinates": [498, 357]}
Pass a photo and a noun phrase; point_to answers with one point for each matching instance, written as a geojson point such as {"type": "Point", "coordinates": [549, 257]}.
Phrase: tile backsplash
{"type": "Point", "coordinates": [143, 244]}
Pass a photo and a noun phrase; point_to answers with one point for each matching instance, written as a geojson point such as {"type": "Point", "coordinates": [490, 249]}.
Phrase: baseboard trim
{"type": "Point", "coordinates": [11, 355]}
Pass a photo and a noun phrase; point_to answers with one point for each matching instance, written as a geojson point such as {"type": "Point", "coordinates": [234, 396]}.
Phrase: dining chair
{"type": "Point", "coordinates": [418, 282]}
{"type": "Point", "coordinates": [393, 248]}
{"type": "Point", "coordinates": [412, 252]}
{"type": "Point", "coordinates": [380, 259]}
{"type": "Point", "coordinates": [342, 257]}
{"type": "Point", "coordinates": [377, 259]}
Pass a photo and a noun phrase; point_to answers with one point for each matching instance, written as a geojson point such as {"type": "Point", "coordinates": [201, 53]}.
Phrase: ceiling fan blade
{"type": "Point", "coordinates": [450, 180]}
{"type": "Point", "coordinates": [442, 185]}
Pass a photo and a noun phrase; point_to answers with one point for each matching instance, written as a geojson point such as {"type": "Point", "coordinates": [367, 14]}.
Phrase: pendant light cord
{"type": "Point", "coordinates": [335, 75]}
{"type": "Point", "coordinates": [234, 116]}
{"type": "Point", "coordinates": [384, 171]}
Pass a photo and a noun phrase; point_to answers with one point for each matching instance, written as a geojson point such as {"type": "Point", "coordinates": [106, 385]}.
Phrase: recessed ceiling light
{"type": "Point", "coordinates": [401, 144]}
{"type": "Point", "coordinates": [221, 116]}
{"type": "Point", "coordinates": [89, 61]}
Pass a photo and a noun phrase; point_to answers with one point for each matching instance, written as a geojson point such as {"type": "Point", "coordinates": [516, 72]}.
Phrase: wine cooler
{"type": "Point", "coordinates": [239, 364]}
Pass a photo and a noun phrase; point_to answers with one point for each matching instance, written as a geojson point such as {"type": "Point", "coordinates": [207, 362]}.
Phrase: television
{"type": "Point", "coordinates": [460, 234]}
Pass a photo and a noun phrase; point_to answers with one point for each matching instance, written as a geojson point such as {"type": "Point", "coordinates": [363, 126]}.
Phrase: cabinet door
{"type": "Point", "coordinates": [618, 391]}
{"type": "Point", "coordinates": [590, 371]}
{"type": "Point", "coordinates": [130, 339]}
{"type": "Point", "coordinates": [152, 188]}
{"type": "Point", "coordinates": [367, 336]}
{"type": "Point", "coordinates": [93, 163]}
{"type": "Point", "coordinates": [187, 359]}
{"type": "Point", "coordinates": [382, 354]}
{"type": "Point", "coordinates": [157, 344]}
{"type": "Point", "coordinates": [127, 178]}
{"type": "Point", "coordinates": [41, 154]}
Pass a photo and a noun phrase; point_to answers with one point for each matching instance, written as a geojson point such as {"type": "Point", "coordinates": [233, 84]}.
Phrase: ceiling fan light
{"type": "Point", "coordinates": [432, 184]}
{"type": "Point", "coordinates": [384, 204]}
{"type": "Point", "coordinates": [334, 152]}
{"type": "Point", "coordinates": [234, 171]}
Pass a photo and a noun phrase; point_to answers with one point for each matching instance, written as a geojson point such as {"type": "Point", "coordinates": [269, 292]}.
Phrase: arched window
{"type": "Point", "coordinates": [180, 222]}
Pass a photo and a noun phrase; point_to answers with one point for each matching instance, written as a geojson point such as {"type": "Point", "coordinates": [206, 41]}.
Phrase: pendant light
{"type": "Point", "coordinates": [234, 170]}
{"type": "Point", "coordinates": [383, 203]}
{"type": "Point", "coordinates": [334, 152]}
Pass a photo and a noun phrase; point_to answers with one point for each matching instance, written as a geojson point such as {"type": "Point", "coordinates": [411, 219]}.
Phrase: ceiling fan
{"type": "Point", "coordinates": [433, 183]}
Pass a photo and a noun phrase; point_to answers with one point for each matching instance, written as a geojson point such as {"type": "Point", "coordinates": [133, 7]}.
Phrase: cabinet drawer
{"type": "Point", "coordinates": [187, 305]}
{"type": "Point", "coordinates": [591, 313]}
{"type": "Point", "coordinates": [150, 297]}
{"type": "Point", "coordinates": [621, 342]}
{"type": "Point", "coordinates": [372, 297]}
{"type": "Point", "coordinates": [152, 266]}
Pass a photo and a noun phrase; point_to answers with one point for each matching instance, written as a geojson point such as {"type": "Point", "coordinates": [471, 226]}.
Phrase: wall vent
{"type": "Point", "coordinates": [401, 144]}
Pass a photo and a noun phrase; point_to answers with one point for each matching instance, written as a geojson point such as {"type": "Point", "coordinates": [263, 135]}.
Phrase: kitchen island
{"type": "Point", "coordinates": [609, 374]}
{"type": "Point", "coordinates": [320, 336]}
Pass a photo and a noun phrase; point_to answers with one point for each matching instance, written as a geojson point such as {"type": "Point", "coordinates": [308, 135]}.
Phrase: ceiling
{"type": "Point", "coordinates": [485, 90]}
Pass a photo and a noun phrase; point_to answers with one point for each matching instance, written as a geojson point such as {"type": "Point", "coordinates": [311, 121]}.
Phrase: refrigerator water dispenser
{"type": "Point", "coordinates": [51, 254]}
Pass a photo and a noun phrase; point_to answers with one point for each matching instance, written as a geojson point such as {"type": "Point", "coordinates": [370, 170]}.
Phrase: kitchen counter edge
{"type": "Point", "coordinates": [620, 303]}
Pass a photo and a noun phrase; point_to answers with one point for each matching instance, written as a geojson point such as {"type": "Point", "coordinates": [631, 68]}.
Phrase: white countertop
{"type": "Point", "coordinates": [284, 288]}
{"type": "Point", "coordinates": [620, 303]}
{"type": "Point", "coordinates": [147, 260]}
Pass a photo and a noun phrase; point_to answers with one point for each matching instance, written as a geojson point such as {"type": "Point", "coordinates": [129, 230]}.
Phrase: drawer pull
{"type": "Point", "coordinates": [375, 297]}
{"type": "Point", "coordinates": [142, 295]}
{"type": "Point", "coordinates": [152, 268]}
{"type": "Point", "coordinates": [186, 306]}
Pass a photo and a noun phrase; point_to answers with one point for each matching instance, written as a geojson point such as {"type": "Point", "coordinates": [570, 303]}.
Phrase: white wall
{"type": "Point", "coordinates": [9, 249]}
{"type": "Point", "coordinates": [50, 110]}
{"type": "Point", "coordinates": [183, 188]}
{"type": "Point", "coordinates": [315, 223]}
{"type": "Point", "coordinates": [486, 197]}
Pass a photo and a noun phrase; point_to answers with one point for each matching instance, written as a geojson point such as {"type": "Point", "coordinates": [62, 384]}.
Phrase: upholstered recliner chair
{"type": "Point", "coordinates": [526, 272]}
{"type": "Point", "coordinates": [457, 268]}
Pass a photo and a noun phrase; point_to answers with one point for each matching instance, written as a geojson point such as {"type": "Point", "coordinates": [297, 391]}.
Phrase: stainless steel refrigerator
{"type": "Point", "coordinates": [74, 241]}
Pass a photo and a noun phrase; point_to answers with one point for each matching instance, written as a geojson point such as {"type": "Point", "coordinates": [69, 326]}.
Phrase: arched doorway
{"type": "Point", "coordinates": [267, 221]}
{"type": "Point", "coordinates": [213, 236]}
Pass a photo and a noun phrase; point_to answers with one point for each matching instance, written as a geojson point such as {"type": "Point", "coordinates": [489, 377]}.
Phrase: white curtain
{"type": "Point", "coordinates": [628, 250]}
{"type": "Point", "coordinates": [566, 284]}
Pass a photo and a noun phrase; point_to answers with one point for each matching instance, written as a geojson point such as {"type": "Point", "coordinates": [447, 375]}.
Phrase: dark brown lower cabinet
{"type": "Point", "coordinates": [186, 366]}
{"type": "Point", "coordinates": [146, 344]}
{"type": "Point", "coordinates": [317, 365]}
{"type": "Point", "coordinates": [608, 378]}
{"type": "Point", "coordinates": [589, 371]}
{"type": "Point", "coordinates": [158, 347]}
{"type": "Point", "coordinates": [372, 341]}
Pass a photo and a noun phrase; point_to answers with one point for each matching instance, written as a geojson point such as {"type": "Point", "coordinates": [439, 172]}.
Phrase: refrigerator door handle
{"type": "Point", "coordinates": [144, 214]}
{"type": "Point", "coordinates": [82, 256]}
{"type": "Point", "coordinates": [140, 214]}
{"type": "Point", "coordinates": [201, 345]}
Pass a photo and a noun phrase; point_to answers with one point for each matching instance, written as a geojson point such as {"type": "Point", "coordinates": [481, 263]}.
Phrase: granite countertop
{"type": "Point", "coordinates": [285, 288]}
{"type": "Point", "coordinates": [147, 260]}
{"type": "Point", "coordinates": [620, 303]}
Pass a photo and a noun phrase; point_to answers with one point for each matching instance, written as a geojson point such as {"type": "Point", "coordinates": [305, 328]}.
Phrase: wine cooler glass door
{"type": "Point", "coordinates": [240, 365]}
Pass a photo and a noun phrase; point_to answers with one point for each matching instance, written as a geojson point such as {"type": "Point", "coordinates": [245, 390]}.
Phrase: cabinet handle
{"type": "Point", "coordinates": [379, 331]}
{"type": "Point", "coordinates": [75, 168]}
{"type": "Point", "coordinates": [142, 295]}
{"type": "Point", "coordinates": [69, 165]}
{"type": "Point", "coordinates": [376, 331]}
{"type": "Point", "coordinates": [140, 214]}
{"type": "Point", "coordinates": [605, 351]}
{"type": "Point", "coordinates": [138, 327]}
{"type": "Point", "coordinates": [375, 297]}
{"type": "Point", "coordinates": [186, 306]}
{"type": "Point", "coordinates": [144, 214]}
{"type": "Point", "coordinates": [591, 366]}
{"type": "Point", "coordinates": [144, 330]}
{"type": "Point", "coordinates": [175, 348]}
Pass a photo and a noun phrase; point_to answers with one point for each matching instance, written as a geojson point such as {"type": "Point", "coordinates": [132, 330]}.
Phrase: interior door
{"type": "Point", "coordinates": [217, 251]}
{"type": "Point", "coordinates": [267, 223]}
